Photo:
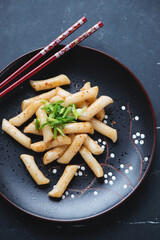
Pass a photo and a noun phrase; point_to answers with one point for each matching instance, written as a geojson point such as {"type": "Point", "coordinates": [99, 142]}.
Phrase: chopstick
{"type": "Point", "coordinates": [50, 46]}
{"type": "Point", "coordinates": [54, 57]}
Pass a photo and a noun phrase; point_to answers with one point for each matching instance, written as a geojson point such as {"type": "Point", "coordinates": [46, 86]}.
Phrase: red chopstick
{"type": "Point", "coordinates": [54, 57]}
{"type": "Point", "coordinates": [44, 50]}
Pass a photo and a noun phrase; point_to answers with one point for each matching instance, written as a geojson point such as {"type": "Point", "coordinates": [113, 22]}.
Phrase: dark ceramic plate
{"type": "Point", "coordinates": [125, 163]}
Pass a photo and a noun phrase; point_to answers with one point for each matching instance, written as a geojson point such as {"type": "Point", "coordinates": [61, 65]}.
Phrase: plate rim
{"type": "Point", "coordinates": [151, 158]}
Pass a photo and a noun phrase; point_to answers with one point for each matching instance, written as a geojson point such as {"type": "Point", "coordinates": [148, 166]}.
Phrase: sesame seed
{"type": "Point", "coordinates": [99, 140]}
{"type": "Point", "coordinates": [125, 186]}
{"type": "Point", "coordinates": [105, 121]}
{"type": "Point", "coordinates": [72, 195]}
{"type": "Point", "coordinates": [137, 134]}
{"type": "Point", "coordinates": [95, 192]}
{"type": "Point", "coordinates": [66, 193]}
{"type": "Point", "coordinates": [103, 146]}
{"type": "Point", "coordinates": [130, 168]}
{"type": "Point", "coordinates": [76, 174]}
{"type": "Point", "coordinates": [105, 175]}
{"type": "Point", "coordinates": [134, 136]}
{"type": "Point", "coordinates": [123, 108]}
{"type": "Point", "coordinates": [104, 143]}
{"type": "Point", "coordinates": [106, 116]}
{"type": "Point", "coordinates": [141, 142]}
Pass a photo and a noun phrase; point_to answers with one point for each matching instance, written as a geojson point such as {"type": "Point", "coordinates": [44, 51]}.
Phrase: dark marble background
{"type": "Point", "coordinates": [131, 34]}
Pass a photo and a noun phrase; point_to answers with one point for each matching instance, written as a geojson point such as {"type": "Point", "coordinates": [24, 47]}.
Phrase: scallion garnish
{"type": "Point", "coordinates": [58, 115]}
{"type": "Point", "coordinates": [37, 124]}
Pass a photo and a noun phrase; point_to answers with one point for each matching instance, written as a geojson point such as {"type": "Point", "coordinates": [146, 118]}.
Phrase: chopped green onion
{"type": "Point", "coordinates": [37, 124]}
{"type": "Point", "coordinates": [74, 111]}
{"type": "Point", "coordinates": [43, 101]}
{"type": "Point", "coordinates": [62, 110]}
{"type": "Point", "coordinates": [59, 115]}
{"type": "Point", "coordinates": [44, 124]}
{"type": "Point", "coordinates": [80, 111]}
{"type": "Point", "coordinates": [60, 101]}
{"type": "Point", "coordinates": [68, 110]}
{"type": "Point", "coordinates": [60, 131]}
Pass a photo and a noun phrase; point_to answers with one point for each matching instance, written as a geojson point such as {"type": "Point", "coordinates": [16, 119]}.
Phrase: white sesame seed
{"type": "Point", "coordinates": [136, 141]}
{"type": "Point", "coordinates": [104, 143]}
{"type": "Point", "coordinates": [105, 175]}
{"type": "Point", "coordinates": [127, 171]}
{"type": "Point", "coordinates": [105, 121]}
{"type": "Point", "coordinates": [111, 182]}
{"type": "Point", "coordinates": [141, 142]}
{"type": "Point", "coordinates": [142, 135]}
{"type": "Point", "coordinates": [95, 192]}
{"type": "Point", "coordinates": [72, 195]}
{"type": "Point", "coordinates": [105, 181]}
{"type": "Point", "coordinates": [112, 155]}
{"type": "Point", "coordinates": [82, 168]}
{"type": "Point", "coordinates": [146, 159]}
{"type": "Point", "coordinates": [136, 118]}
{"type": "Point", "coordinates": [66, 193]}
{"type": "Point", "coordinates": [76, 174]}
{"type": "Point", "coordinates": [80, 173]}
{"type": "Point", "coordinates": [113, 178]}
{"type": "Point", "coordinates": [130, 168]}
{"type": "Point", "coordinates": [123, 108]}
{"type": "Point", "coordinates": [103, 146]}
{"type": "Point", "coordinates": [63, 197]}
{"type": "Point", "coordinates": [110, 174]}
{"type": "Point", "coordinates": [99, 140]}
{"type": "Point", "coordinates": [134, 136]}
{"type": "Point", "coordinates": [137, 134]}
{"type": "Point", "coordinates": [125, 186]}
{"type": "Point", "coordinates": [54, 171]}
{"type": "Point", "coordinates": [106, 116]}
{"type": "Point", "coordinates": [122, 166]}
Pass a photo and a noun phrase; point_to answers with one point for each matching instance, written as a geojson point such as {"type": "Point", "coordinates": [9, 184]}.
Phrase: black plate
{"type": "Point", "coordinates": [126, 162]}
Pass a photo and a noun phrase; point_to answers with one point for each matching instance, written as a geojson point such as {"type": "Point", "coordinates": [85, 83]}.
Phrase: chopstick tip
{"type": "Point", "coordinates": [100, 24]}
{"type": "Point", "coordinates": [84, 19]}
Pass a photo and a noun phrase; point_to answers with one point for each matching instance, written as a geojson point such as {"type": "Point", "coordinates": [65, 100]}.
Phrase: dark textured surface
{"type": "Point", "coordinates": [131, 34]}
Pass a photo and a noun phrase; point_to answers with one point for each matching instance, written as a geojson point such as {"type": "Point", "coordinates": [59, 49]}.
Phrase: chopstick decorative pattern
{"type": "Point", "coordinates": [50, 46]}
{"type": "Point", "coordinates": [63, 36]}
{"type": "Point", "coordinates": [78, 40]}
{"type": "Point", "coordinates": [54, 57]}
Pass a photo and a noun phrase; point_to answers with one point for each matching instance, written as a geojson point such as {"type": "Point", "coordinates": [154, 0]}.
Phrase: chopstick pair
{"type": "Point", "coordinates": [52, 58]}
